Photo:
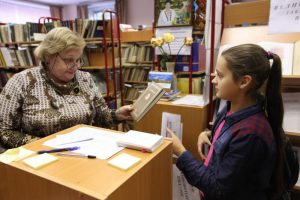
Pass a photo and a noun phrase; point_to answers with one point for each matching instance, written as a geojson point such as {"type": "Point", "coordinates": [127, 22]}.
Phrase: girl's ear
{"type": "Point", "coordinates": [245, 82]}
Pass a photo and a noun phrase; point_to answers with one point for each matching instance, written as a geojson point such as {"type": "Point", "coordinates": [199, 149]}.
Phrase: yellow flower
{"type": "Point", "coordinates": [168, 38]}
{"type": "Point", "coordinates": [157, 42]}
{"type": "Point", "coordinates": [153, 42]}
{"type": "Point", "coordinates": [188, 41]}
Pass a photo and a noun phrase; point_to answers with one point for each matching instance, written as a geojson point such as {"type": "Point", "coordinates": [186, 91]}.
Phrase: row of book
{"type": "Point", "coordinates": [100, 81]}
{"type": "Point", "coordinates": [89, 28]}
{"type": "Point", "coordinates": [135, 73]}
{"type": "Point", "coordinates": [17, 57]}
{"type": "Point", "coordinates": [137, 53]}
{"type": "Point", "coordinates": [132, 91]}
{"type": "Point", "coordinates": [183, 85]}
{"type": "Point", "coordinates": [288, 53]}
{"type": "Point", "coordinates": [28, 32]}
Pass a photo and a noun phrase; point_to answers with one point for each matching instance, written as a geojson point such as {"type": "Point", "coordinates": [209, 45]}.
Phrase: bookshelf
{"type": "Point", "coordinates": [258, 13]}
{"type": "Point", "coordinates": [137, 61]}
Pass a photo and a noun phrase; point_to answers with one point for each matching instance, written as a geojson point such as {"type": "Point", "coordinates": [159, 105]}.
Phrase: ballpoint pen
{"type": "Point", "coordinates": [75, 141]}
{"type": "Point", "coordinates": [58, 150]}
{"type": "Point", "coordinates": [76, 155]}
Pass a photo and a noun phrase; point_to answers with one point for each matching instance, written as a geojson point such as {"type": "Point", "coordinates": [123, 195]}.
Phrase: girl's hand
{"type": "Point", "coordinates": [123, 113]}
{"type": "Point", "coordinates": [178, 147]}
{"type": "Point", "coordinates": [203, 138]}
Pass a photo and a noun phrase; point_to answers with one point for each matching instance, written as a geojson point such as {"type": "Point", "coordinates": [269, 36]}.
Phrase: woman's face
{"type": "Point", "coordinates": [168, 6]}
{"type": "Point", "coordinates": [63, 65]}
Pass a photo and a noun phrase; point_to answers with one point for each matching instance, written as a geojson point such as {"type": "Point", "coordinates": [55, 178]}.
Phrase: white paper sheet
{"type": "Point", "coordinates": [192, 100]}
{"type": "Point", "coordinates": [15, 154]}
{"type": "Point", "coordinates": [179, 33]}
{"type": "Point", "coordinates": [182, 190]}
{"type": "Point", "coordinates": [291, 102]}
{"type": "Point", "coordinates": [284, 16]}
{"type": "Point", "coordinates": [173, 122]}
{"type": "Point", "coordinates": [103, 145]}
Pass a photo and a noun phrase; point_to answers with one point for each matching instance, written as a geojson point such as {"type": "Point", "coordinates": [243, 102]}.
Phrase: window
{"type": "Point", "coordinates": [96, 10]}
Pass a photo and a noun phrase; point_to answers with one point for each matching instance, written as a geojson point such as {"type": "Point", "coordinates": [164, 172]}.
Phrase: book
{"type": "Point", "coordinates": [124, 161]}
{"type": "Point", "coordinates": [146, 100]}
{"type": "Point", "coordinates": [140, 140]}
{"type": "Point", "coordinates": [168, 96]}
{"type": "Point", "coordinates": [39, 161]}
{"type": "Point", "coordinates": [164, 79]}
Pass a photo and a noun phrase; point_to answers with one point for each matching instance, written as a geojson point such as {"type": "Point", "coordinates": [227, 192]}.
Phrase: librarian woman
{"type": "Point", "coordinates": [53, 96]}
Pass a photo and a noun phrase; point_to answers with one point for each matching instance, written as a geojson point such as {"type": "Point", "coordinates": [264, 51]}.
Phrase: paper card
{"type": "Point", "coordinates": [173, 122]}
{"type": "Point", "coordinates": [15, 154]}
{"type": "Point", "coordinates": [124, 161]}
{"type": "Point", "coordinates": [39, 161]}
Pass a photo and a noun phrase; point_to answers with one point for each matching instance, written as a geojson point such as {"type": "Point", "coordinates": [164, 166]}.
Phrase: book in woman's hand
{"type": "Point", "coordinates": [146, 100]}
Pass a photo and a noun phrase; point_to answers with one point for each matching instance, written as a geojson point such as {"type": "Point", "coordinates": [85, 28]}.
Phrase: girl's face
{"type": "Point", "coordinates": [226, 87]}
{"type": "Point", "coordinates": [63, 65]}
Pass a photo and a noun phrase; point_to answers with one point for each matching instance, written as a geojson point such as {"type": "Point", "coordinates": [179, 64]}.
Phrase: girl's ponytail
{"type": "Point", "coordinates": [274, 109]}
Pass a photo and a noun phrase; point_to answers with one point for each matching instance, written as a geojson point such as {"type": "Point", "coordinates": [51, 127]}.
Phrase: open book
{"type": "Point", "coordinates": [140, 140]}
{"type": "Point", "coordinates": [146, 100]}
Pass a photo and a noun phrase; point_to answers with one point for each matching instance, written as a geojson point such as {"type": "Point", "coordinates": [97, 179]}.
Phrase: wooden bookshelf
{"type": "Point", "coordinates": [137, 36]}
{"type": "Point", "coordinates": [247, 13]}
{"type": "Point", "coordinates": [194, 73]}
{"type": "Point", "coordinates": [136, 82]}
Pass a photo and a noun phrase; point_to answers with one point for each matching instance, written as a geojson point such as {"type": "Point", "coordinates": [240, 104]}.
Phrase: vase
{"type": "Point", "coordinates": [171, 68]}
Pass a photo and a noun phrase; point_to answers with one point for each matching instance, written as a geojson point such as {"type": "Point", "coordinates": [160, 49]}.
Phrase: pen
{"type": "Point", "coordinates": [76, 155]}
{"type": "Point", "coordinates": [58, 150]}
{"type": "Point", "coordinates": [87, 139]}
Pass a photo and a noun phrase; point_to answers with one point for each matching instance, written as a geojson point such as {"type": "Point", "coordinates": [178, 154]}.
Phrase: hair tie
{"type": "Point", "coordinates": [270, 55]}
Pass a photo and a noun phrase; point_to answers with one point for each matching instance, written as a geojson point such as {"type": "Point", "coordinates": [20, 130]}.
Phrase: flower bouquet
{"type": "Point", "coordinates": [167, 38]}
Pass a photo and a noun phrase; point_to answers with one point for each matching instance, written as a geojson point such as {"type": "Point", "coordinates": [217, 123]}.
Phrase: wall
{"type": "Point", "coordinates": [21, 12]}
{"type": "Point", "coordinates": [69, 12]}
{"type": "Point", "coordinates": [140, 12]}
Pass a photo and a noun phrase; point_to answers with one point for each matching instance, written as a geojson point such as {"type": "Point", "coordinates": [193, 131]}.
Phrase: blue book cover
{"type": "Point", "coordinates": [163, 78]}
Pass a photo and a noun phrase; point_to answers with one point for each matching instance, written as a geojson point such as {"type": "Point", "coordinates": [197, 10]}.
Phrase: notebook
{"type": "Point", "coordinates": [140, 140]}
{"type": "Point", "coordinates": [124, 161]}
{"type": "Point", "coordinates": [146, 100]}
{"type": "Point", "coordinates": [39, 161]}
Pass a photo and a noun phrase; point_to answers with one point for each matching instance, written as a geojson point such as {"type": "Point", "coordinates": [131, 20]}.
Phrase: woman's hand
{"type": "Point", "coordinates": [123, 113]}
{"type": "Point", "coordinates": [203, 138]}
{"type": "Point", "coordinates": [178, 147]}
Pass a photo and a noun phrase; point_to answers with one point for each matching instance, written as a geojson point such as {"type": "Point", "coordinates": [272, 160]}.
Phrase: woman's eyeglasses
{"type": "Point", "coordinates": [71, 63]}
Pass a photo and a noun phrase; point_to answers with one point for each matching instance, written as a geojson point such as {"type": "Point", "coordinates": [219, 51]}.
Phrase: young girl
{"type": "Point", "coordinates": [246, 136]}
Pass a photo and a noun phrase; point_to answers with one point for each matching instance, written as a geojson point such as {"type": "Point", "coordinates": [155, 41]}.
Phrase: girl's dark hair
{"type": "Point", "coordinates": [251, 59]}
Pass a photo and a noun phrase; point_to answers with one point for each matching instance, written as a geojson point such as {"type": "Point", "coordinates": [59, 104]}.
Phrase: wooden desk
{"type": "Point", "coordinates": [89, 179]}
{"type": "Point", "coordinates": [194, 119]}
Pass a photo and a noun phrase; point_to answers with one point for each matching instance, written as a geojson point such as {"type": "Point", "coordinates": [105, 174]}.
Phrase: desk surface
{"type": "Point", "coordinates": [82, 178]}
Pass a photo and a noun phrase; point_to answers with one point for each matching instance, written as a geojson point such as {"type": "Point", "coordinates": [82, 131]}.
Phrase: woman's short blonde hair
{"type": "Point", "coordinates": [58, 40]}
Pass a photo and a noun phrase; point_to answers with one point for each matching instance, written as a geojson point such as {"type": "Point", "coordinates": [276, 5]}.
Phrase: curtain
{"type": "Point", "coordinates": [121, 9]}
{"type": "Point", "coordinates": [56, 11]}
{"type": "Point", "coordinates": [82, 12]}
